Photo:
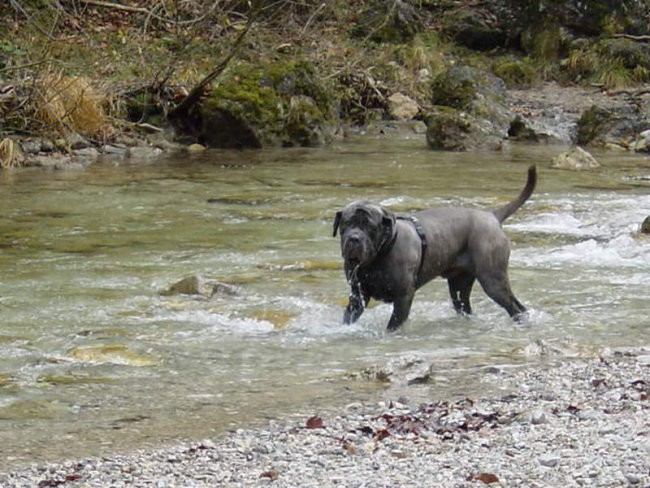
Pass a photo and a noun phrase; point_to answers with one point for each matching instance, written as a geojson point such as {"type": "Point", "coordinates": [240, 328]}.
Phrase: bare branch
{"type": "Point", "coordinates": [630, 36]}
{"type": "Point", "coordinates": [197, 91]}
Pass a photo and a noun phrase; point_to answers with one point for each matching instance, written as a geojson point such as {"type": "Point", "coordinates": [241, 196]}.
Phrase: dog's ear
{"type": "Point", "coordinates": [388, 223]}
{"type": "Point", "coordinates": [337, 221]}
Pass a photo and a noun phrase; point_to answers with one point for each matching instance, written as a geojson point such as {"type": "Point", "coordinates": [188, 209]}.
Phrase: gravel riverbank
{"type": "Point", "coordinates": [579, 423]}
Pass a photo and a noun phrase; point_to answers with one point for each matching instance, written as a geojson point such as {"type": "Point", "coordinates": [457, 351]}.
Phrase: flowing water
{"type": "Point", "coordinates": [94, 358]}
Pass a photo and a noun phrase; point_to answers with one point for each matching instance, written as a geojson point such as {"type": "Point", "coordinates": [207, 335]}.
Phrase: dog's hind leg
{"type": "Point", "coordinates": [497, 287]}
{"type": "Point", "coordinates": [460, 288]}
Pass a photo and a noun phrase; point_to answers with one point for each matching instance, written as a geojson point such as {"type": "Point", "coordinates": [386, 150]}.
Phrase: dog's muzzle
{"type": "Point", "coordinates": [354, 249]}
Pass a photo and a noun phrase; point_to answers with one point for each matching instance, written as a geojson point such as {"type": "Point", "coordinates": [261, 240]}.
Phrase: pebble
{"type": "Point", "coordinates": [580, 437]}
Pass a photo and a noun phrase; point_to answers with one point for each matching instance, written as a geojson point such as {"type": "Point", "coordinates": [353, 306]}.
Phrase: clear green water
{"type": "Point", "coordinates": [93, 359]}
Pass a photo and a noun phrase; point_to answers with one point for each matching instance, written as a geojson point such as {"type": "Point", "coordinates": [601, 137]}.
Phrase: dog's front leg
{"type": "Point", "coordinates": [401, 310]}
{"type": "Point", "coordinates": [356, 306]}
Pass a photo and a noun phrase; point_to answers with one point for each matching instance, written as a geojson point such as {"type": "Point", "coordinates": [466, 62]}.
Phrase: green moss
{"type": "Point", "coordinates": [517, 73]}
{"type": "Point", "coordinates": [279, 103]}
{"type": "Point", "coordinates": [458, 92]}
{"type": "Point", "coordinates": [592, 124]}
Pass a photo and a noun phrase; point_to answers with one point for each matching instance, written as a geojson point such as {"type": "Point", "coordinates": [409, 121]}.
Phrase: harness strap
{"type": "Point", "coordinates": [423, 240]}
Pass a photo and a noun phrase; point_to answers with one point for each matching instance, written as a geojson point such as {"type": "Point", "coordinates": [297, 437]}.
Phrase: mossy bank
{"type": "Point", "coordinates": [293, 74]}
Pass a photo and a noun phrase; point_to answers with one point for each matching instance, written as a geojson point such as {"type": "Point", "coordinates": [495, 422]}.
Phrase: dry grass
{"type": "Point", "coordinates": [69, 104]}
{"type": "Point", "coordinates": [9, 154]}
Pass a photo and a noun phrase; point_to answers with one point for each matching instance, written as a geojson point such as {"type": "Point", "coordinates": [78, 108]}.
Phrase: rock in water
{"type": "Point", "coordinates": [575, 159]}
{"type": "Point", "coordinates": [190, 285]}
{"type": "Point", "coordinates": [645, 226]}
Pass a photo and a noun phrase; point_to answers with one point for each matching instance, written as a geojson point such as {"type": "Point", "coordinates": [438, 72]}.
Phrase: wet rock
{"type": "Point", "coordinates": [31, 409]}
{"type": "Point", "coordinates": [575, 159]}
{"type": "Point", "coordinates": [54, 161]}
{"type": "Point", "coordinates": [86, 155]}
{"type": "Point", "coordinates": [113, 150]}
{"type": "Point", "coordinates": [642, 143]}
{"type": "Point", "coordinates": [402, 107]}
{"type": "Point", "coordinates": [223, 289]}
{"type": "Point", "coordinates": [551, 125]}
{"type": "Point", "coordinates": [112, 354]}
{"type": "Point", "coordinates": [190, 285]}
{"type": "Point", "coordinates": [197, 285]}
{"type": "Point", "coordinates": [645, 226]}
{"type": "Point", "coordinates": [143, 152]}
{"type": "Point", "coordinates": [613, 127]}
{"type": "Point", "coordinates": [405, 370]}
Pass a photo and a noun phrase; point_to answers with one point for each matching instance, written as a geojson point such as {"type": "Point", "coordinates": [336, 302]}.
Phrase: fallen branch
{"type": "Point", "coordinates": [630, 36]}
{"type": "Point", "coordinates": [115, 6]}
{"type": "Point", "coordinates": [635, 93]}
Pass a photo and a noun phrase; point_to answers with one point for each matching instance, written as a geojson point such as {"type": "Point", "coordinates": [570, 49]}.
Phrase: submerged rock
{"type": "Point", "coordinates": [190, 285]}
{"type": "Point", "coordinates": [575, 159]}
{"type": "Point", "coordinates": [113, 354]}
{"type": "Point", "coordinates": [197, 285]}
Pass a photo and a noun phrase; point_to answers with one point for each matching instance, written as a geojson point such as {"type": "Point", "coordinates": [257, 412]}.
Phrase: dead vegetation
{"type": "Point", "coordinates": [68, 104]}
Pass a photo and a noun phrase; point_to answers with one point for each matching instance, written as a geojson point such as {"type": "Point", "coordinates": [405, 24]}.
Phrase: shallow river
{"type": "Point", "coordinates": [93, 358]}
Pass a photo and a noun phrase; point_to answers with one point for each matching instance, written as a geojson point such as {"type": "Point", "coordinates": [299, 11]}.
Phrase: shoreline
{"type": "Point", "coordinates": [585, 422]}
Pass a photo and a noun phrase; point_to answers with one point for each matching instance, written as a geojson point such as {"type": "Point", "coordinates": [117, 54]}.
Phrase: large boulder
{"type": "Point", "coordinates": [527, 24]}
{"type": "Point", "coordinates": [576, 159]}
{"type": "Point", "coordinates": [449, 129]}
{"type": "Point", "coordinates": [611, 127]}
{"type": "Point", "coordinates": [270, 104]}
{"type": "Point", "coordinates": [469, 111]}
{"type": "Point", "coordinates": [395, 21]}
{"type": "Point", "coordinates": [476, 29]}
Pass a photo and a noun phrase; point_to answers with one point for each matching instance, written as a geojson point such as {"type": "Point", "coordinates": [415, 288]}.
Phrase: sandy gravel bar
{"type": "Point", "coordinates": [578, 423]}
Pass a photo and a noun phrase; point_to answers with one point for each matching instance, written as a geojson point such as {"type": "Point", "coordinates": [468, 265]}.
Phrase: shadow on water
{"type": "Point", "coordinates": [95, 359]}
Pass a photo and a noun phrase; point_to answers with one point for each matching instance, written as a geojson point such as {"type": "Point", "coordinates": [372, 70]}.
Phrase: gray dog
{"type": "Point", "coordinates": [388, 258]}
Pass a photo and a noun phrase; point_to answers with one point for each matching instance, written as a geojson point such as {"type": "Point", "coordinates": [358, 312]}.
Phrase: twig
{"type": "Point", "coordinates": [630, 36]}
{"type": "Point", "coordinates": [634, 93]}
{"type": "Point", "coordinates": [23, 66]}
{"type": "Point", "coordinates": [116, 6]}
{"type": "Point", "coordinates": [21, 10]}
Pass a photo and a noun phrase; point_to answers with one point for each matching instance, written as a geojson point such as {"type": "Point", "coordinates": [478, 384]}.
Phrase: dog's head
{"type": "Point", "coordinates": [365, 229]}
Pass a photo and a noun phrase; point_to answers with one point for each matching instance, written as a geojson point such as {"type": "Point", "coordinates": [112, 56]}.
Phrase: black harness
{"type": "Point", "coordinates": [423, 241]}
{"type": "Point", "coordinates": [356, 296]}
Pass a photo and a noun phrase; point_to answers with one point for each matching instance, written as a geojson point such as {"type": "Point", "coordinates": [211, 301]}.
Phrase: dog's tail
{"type": "Point", "coordinates": [502, 213]}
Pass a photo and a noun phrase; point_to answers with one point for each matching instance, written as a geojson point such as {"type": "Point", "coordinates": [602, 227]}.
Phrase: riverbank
{"type": "Point", "coordinates": [575, 423]}
{"type": "Point", "coordinates": [285, 75]}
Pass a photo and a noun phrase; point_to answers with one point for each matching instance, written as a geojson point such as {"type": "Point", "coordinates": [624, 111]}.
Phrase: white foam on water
{"type": "Point", "coordinates": [622, 251]}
